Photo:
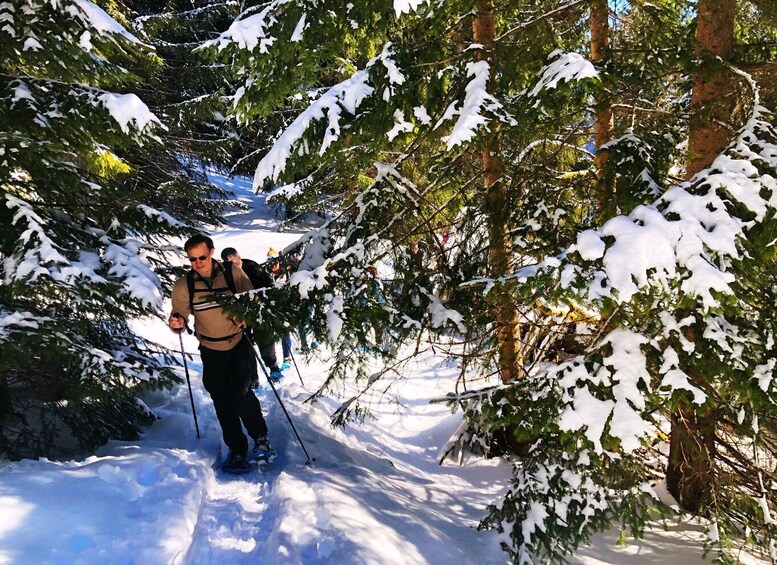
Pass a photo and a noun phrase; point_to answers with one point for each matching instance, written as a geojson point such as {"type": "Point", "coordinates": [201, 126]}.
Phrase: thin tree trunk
{"type": "Point", "coordinates": [499, 251]}
{"type": "Point", "coordinates": [603, 122]}
{"type": "Point", "coordinates": [690, 470]}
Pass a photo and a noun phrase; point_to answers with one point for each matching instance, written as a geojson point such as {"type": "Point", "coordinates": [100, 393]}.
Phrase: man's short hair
{"type": "Point", "coordinates": [196, 240]}
{"type": "Point", "coordinates": [228, 252]}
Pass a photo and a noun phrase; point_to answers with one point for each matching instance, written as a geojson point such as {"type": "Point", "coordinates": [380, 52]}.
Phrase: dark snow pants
{"type": "Point", "coordinates": [227, 376]}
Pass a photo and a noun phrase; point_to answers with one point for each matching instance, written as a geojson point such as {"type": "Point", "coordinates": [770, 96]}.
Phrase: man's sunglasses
{"type": "Point", "coordinates": [200, 258]}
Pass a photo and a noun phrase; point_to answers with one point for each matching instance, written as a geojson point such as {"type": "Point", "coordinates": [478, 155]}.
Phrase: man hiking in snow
{"type": "Point", "coordinates": [262, 277]}
{"type": "Point", "coordinates": [228, 363]}
{"type": "Point", "coordinates": [258, 276]}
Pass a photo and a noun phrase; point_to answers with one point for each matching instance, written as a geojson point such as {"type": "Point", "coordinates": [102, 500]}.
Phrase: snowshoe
{"type": "Point", "coordinates": [286, 365]}
{"type": "Point", "coordinates": [236, 463]}
{"type": "Point", "coordinates": [275, 374]}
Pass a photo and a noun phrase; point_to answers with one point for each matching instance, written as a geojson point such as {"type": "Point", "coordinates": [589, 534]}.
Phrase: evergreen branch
{"type": "Point", "coordinates": [561, 144]}
{"type": "Point", "coordinates": [194, 100]}
{"type": "Point", "coordinates": [185, 14]}
{"type": "Point", "coordinates": [340, 414]}
{"type": "Point", "coordinates": [556, 11]}
{"type": "Point", "coordinates": [635, 108]}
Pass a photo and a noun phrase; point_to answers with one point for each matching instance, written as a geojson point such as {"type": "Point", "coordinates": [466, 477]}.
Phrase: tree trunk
{"type": "Point", "coordinates": [689, 474]}
{"type": "Point", "coordinates": [503, 308]}
{"type": "Point", "coordinates": [712, 97]}
{"type": "Point", "coordinates": [603, 123]}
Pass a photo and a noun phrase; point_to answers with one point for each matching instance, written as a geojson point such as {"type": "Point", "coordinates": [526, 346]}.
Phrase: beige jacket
{"type": "Point", "coordinates": [212, 327]}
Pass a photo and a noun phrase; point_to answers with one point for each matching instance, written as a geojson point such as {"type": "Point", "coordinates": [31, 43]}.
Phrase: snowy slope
{"type": "Point", "coordinates": [374, 495]}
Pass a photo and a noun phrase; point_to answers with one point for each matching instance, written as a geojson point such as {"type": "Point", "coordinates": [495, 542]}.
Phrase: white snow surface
{"type": "Point", "coordinates": [400, 125]}
{"type": "Point", "coordinates": [375, 493]}
{"type": "Point", "coordinates": [250, 32]}
{"type": "Point", "coordinates": [296, 36]}
{"type": "Point", "coordinates": [406, 6]}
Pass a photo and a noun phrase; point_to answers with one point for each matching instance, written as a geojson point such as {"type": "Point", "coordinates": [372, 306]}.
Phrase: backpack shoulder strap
{"type": "Point", "coordinates": [190, 286]}
{"type": "Point", "coordinates": [228, 278]}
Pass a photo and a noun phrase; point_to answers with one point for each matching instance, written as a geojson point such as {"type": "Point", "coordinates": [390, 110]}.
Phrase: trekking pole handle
{"type": "Point", "coordinates": [185, 324]}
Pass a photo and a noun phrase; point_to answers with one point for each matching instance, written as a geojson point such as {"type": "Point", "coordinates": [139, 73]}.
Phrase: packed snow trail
{"type": "Point", "coordinates": [351, 505]}
{"type": "Point", "coordinates": [358, 503]}
{"type": "Point", "coordinates": [229, 525]}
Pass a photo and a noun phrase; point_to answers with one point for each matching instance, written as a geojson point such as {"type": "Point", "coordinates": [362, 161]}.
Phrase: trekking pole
{"type": "Point", "coordinates": [272, 385]}
{"type": "Point", "coordinates": [186, 370]}
{"type": "Point", "coordinates": [294, 360]}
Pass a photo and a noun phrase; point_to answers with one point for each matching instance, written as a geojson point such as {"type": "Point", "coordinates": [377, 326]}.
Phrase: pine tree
{"type": "Point", "coordinates": [83, 230]}
{"type": "Point", "coordinates": [685, 342]}
{"type": "Point", "coordinates": [692, 441]}
{"type": "Point", "coordinates": [437, 119]}
{"type": "Point", "coordinates": [407, 147]}
{"type": "Point", "coordinates": [603, 118]}
{"type": "Point", "coordinates": [190, 95]}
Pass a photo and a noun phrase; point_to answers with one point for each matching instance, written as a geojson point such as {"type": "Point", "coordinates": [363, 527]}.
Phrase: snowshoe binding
{"type": "Point", "coordinates": [263, 451]}
{"type": "Point", "coordinates": [236, 463]}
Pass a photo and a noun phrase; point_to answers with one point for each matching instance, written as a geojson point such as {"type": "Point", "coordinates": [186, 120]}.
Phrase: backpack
{"type": "Point", "coordinates": [228, 278]}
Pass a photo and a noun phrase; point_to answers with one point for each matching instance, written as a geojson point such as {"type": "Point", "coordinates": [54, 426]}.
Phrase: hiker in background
{"type": "Point", "coordinates": [371, 291]}
{"type": "Point", "coordinates": [260, 278]}
{"type": "Point", "coordinates": [303, 330]}
{"type": "Point", "coordinates": [413, 280]}
{"type": "Point", "coordinates": [228, 362]}
{"type": "Point", "coordinates": [283, 266]}
{"type": "Point", "coordinates": [256, 274]}
{"type": "Point", "coordinates": [415, 269]}
{"type": "Point", "coordinates": [275, 272]}
{"type": "Point", "coordinates": [443, 235]}
{"type": "Point", "coordinates": [415, 256]}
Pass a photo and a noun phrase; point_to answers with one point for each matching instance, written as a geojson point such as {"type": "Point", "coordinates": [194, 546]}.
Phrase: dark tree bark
{"type": "Point", "coordinates": [712, 98]}
{"type": "Point", "coordinates": [503, 308]}
{"type": "Point", "coordinates": [5, 396]}
{"type": "Point", "coordinates": [690, 470]}
{"type": "Point", "coordinates": [689, 475]}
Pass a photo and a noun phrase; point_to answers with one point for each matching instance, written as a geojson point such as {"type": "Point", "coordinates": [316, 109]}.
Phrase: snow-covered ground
{"type": "Point", "coordinates": [375, 493]}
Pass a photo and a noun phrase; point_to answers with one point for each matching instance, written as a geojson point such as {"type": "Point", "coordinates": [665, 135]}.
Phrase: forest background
{"type": "Point", "coordinates": [592, 183]}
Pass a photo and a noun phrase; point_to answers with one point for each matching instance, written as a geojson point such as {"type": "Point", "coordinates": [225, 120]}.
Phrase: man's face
{"type": "Point", "coordinates": [200, 258]}
{"type": "Point", "coordinates": [236, 260]}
